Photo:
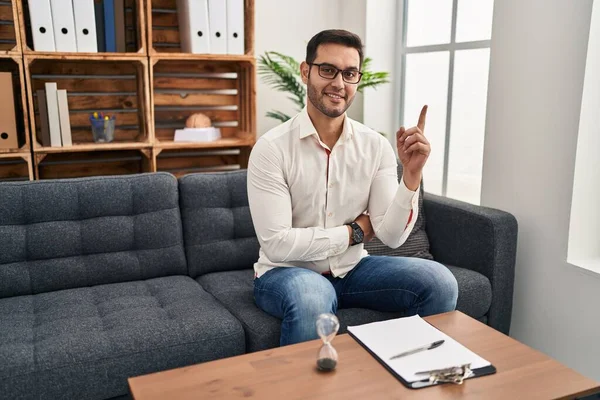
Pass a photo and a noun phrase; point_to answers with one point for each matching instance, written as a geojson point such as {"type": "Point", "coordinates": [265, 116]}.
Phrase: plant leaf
{"type": "Point", "coordinates": [278, 115]}
{"type": "Point", "coordinates": [283, 74]}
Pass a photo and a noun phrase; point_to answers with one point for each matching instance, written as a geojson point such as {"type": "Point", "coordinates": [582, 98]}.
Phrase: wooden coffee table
{"type": "Point", "coordinates": [290, 373]}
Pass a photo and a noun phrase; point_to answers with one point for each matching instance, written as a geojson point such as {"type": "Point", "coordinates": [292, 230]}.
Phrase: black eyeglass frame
{"type": "Point", "coordinates": [337, 71]}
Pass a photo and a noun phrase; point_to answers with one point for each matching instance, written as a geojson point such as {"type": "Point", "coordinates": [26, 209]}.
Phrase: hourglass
{"type": "Point", "coordinates": [327, 327]}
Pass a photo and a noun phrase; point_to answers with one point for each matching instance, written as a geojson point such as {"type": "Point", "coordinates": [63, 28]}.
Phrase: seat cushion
{"type": "Point", "coordinates": [235, 290]}
{"type": "Point", "coordinates": [85, 342]}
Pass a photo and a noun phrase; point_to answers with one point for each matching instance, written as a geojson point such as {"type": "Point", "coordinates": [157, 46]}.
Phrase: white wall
{"type": "Point", "coordinates": [538, 57]}
{"type": "Point", "coordinates": [584, 233]}
{"type": "Point", "coordinates": [381, 105]}
{"type": "Point", "coordinates": [287, 26]}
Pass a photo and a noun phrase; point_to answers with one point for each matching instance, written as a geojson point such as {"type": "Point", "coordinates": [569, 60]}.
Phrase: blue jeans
{"type": "Point", "coordinates": [398, 284]}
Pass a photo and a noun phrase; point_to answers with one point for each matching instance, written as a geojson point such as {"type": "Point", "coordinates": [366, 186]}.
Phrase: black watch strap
{"type": "Point", "coordinates": [357, 233]}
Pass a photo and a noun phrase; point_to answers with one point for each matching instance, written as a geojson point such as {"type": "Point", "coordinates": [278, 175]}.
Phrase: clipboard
{"type": "Point", "coordinates": [449, 363]}
{"type": "Point", "coordinates": [490, 369]}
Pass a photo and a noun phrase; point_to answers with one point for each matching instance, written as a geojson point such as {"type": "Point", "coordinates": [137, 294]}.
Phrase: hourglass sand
{"type": "Point", "coordinates": [327, 327]}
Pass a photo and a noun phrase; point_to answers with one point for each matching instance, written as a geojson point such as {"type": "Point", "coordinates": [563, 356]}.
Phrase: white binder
{"type": "Point", "coordinates": [235, 26]}
{"type": "Point", "coordinates": [64, 25]}
{"type": "Point", "coordinates": [53, 118]}
{"type": "Point", "coordinates": [40, 16]}
{"type": "Point", "coordinates": [217, 16]}
{"type": "Point", "coordinates": [63, 116]}
{"type": "Point", "coordinates": [85, 26]}
{"type": "Point", "coordinates": [194, 30]}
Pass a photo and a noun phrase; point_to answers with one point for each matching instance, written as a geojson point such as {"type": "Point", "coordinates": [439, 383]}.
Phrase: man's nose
{"type": "Point", "coordinates": [338, 81]}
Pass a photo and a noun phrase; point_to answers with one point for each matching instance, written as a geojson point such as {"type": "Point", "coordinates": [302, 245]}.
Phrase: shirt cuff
{"type": "Point", "coordinates": [406, 198]}
{"type": "Point", "coordinates": [338, 240]}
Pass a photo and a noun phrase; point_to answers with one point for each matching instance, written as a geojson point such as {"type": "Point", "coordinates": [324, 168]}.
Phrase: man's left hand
{"type": "Point", "coordinates": [413, 151]}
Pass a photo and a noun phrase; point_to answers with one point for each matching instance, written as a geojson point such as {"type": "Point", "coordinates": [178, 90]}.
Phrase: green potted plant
{"type": "Point", "coordinates": [282, 73]}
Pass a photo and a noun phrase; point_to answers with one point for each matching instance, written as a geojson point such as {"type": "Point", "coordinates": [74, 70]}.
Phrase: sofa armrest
{"type": "Point", "coordinates": [480, 239]}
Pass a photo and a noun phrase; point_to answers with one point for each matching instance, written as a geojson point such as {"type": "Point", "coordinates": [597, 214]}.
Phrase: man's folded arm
{"type": "Point", "coordinates": [271, 209]}
{"type": "Point", "coordinates": [393, 208]}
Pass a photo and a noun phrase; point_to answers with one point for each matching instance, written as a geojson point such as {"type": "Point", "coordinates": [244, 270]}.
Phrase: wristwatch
{"type": "Point", "coordinates": [357, 233]}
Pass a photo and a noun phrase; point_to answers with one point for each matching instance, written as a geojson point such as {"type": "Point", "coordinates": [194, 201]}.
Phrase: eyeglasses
{"type": "Point", "coordinates": [328, 71]}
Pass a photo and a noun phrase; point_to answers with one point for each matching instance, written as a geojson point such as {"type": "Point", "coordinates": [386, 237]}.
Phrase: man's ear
{"type": "Point", "coordinates": [304, 68]}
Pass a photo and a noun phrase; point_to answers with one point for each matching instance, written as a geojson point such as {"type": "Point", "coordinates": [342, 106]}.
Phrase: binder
{"type": "Point", "coordinates": [53, 118]}
{"type": "Point", "coordinates": [120, 41]}
{"type": "Point", "coordinates": [85, 26]}
{"type": "Point", "coordinates": [235, 26]}
{"type": "Point", "coordinates": [64, 25]}
{"type": "Point", "coordinates": [8, 122]}
{"type": "Point", "coordinates": [194, 29]}
{"type": "Point", "coordinates": [378, 338]}
{"type": "Point", "coordinates": [217, 17]}
{"type": "Point", "coordinates": [63, 114]}
{"type": "Point", "coordinates": [40, 15]}
{"type": "Point", "coordinates": [44, 125]}
{"type": "Point", "coordinates": [99, 16]}
{"type": "Point", "coordinates": [110, 40]}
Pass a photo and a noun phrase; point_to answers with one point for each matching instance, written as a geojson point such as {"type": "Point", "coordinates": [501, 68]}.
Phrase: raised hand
{"type": "Point", "coordinates": [413, 151]}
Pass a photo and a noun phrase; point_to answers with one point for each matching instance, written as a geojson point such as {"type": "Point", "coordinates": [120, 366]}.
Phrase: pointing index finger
{"type": "Point", "coordinates": [421, 124]}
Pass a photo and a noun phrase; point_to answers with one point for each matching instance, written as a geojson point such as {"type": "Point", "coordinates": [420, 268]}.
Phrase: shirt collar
{"type": "Point", "coordinates": [308, 129]}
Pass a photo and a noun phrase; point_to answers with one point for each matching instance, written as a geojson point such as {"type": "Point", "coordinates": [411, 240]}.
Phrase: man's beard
{"type": "Point", "coordinates": [319, 104]}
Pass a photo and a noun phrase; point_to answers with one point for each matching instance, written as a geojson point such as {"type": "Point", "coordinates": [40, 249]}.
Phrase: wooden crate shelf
{"type": "Point", "coordinates": [14, 65]}
{"type": "Point", "coordinates": [16, 167]}
{"type": "Point", "coordinates": [10, 35]}
{"type": "Point", "coordinates": [116, 86]}
{"type": "Point", "coordinates": [163, 27]}
{"type": "Point", "coordinates": [135, 30]}
{"type": "Point", "coordinates": [223, 90]}
{"type": "Point", "coordinates": [151, 90]}
{"type": "Point", "coordinates": [189, 160]}
{"type": "Point", "coordinates": [93, 147]}
{"type": "Point", "coordinates": [93, 163]}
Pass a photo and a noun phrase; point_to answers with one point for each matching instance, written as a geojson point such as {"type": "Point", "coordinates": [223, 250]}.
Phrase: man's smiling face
{"type": "Point", "coordinates": [331, 97]}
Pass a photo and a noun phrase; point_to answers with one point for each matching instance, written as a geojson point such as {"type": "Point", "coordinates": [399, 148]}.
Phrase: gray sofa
{"type": "Point", "coordinates": [106, 278]}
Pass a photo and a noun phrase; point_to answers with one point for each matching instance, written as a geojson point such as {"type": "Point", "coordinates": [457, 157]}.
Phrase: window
{"type": "Point", "coordinates": [445, 61]}
{"type": "Point", "coordinates": [584, 229]}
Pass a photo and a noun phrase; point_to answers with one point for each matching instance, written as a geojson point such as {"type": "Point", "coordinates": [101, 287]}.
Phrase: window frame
{"type": "Point", "coordinates": [452, 47]}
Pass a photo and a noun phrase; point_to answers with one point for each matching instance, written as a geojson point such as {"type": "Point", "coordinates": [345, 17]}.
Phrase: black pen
{"type": "Point", "coordinates": [418, 349]}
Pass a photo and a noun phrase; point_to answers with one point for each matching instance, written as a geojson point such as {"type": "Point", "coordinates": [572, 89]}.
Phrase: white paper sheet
{"type": "Point", "coordinates": [391, 337]}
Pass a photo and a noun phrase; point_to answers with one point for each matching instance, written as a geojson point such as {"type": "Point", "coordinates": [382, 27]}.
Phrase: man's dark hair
{"type": "Point", "coordinates": [336, 36]}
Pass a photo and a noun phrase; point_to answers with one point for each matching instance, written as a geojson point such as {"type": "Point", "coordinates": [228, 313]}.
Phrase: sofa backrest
{"type": "Point", "coordinates": [217, 226]}
{"type": "Point", "coordinates": [68, 233]}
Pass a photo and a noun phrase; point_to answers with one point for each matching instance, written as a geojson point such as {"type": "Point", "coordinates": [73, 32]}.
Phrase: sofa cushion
{"type": "Point", "coordinates": [235, 290]}
{"type": "Point", "coordinates": [85, 342]}
{"type": "Point", "coordinates": [416, 244]}
{"type": "Point", "coordinates": [67, 233]}
{"type": "Point", "coordinates": [217, 226]}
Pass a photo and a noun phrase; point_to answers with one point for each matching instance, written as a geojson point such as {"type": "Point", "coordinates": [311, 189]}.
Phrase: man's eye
{"type": "Point", "coordinates": [350, 74]}
{"type": "Point", "coordinates": [327, 70]}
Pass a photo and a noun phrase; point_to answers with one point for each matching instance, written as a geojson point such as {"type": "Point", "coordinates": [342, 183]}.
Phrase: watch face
{"type": "Point", "coordinates": [358, 236]}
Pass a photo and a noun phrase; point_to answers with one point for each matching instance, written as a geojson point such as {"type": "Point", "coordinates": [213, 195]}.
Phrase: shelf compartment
{"type": "Point", "coordinates": [93, 163]}
{"type": "Point", "coordinates": [10, 35]}
{"type": "Point", "coordinates": [185, 161]}
{"type": "Point", "coordinates": [223, 90]}
{"type": "Point", "coordinates": [16, 167]}
{"type": "Point", "coordinates": [14, 65]}
{"type": "Point", "coordinates": [135, 31]}
{"type": "Point", "coordinates": [118, 87]}
{"type": "Point", "coordinates": [163, 28]}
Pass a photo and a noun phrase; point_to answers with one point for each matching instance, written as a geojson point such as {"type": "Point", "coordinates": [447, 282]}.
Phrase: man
{"type": "Point", "coordinates": [319, 186]}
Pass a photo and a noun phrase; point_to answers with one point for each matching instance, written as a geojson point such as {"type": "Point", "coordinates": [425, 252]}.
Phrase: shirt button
{"type": "Point", "coordinates": [330, 215]}
{"type": "Point", "coordinates": [331, 185]}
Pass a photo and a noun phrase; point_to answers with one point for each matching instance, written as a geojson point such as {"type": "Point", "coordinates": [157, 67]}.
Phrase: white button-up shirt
{"type": "Point", "coordinates": [302, 193]}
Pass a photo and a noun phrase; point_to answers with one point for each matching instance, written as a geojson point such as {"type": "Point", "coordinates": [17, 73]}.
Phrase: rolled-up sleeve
{"type": "Point", "coordinates": [271, 210]}
{"type": "Point", "coordinates": [393, 208]}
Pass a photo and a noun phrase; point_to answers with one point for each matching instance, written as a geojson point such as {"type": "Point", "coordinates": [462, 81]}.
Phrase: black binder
{"type": "Point", "coordinates": [490, 369]}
